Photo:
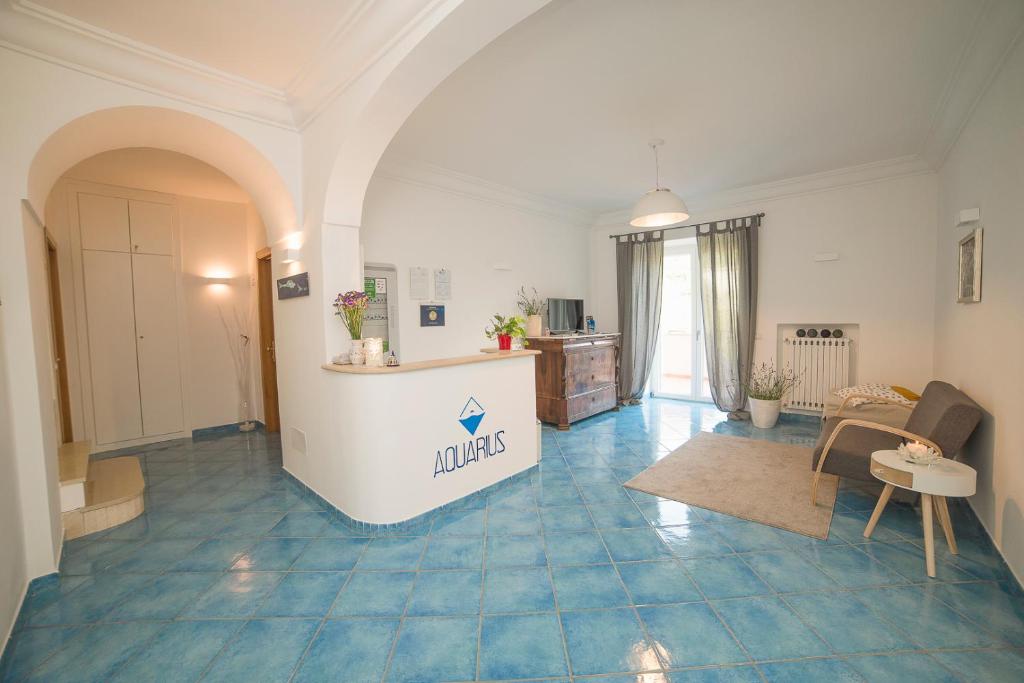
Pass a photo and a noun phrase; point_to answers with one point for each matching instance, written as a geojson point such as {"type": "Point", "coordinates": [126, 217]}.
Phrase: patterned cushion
{"type": "Point", "coordinates": [882, 391]}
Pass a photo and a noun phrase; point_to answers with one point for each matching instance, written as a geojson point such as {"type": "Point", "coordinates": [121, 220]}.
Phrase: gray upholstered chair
{"type": "Point", "coordinates": [943, 419]}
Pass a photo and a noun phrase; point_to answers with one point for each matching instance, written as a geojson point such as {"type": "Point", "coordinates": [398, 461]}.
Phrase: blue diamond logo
{"type": "Point", "coordinates": [472, 415]}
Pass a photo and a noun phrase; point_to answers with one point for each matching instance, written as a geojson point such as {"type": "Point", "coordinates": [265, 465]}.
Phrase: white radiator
{"type": "Point", "coordinates": [821, 364]}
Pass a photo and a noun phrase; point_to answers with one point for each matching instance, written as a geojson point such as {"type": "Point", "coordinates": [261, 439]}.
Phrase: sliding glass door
{"type": "Point", "coordinates": [679, 365]}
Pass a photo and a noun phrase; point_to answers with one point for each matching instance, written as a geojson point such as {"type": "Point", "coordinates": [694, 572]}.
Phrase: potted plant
{"type": "Point", "coordinates": [350, 307]}
{"type": "Point", "coordinates": [765, 389]}
{"type": "Point", "coordinates": [504, 329]}
{"type": "Point", "coordinates": [533, 308]}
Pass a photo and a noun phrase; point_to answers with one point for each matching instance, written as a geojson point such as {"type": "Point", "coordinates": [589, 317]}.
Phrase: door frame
{"type": "Point", "coordinates": [59, 350]}
{"type": "Point", "coordinates": [698, 360]}
{"type": "Point", "coordinates": [268, 340]}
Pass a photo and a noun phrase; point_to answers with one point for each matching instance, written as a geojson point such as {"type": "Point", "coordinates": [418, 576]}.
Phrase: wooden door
{"type": "Point", "coordinates": [151, 227]}
{"type": "Point", "coordinates": [59, 349]}
{"type": "Point", "coordinates": [104, 222]}
{"type": "Point", "coordinates": [113, 365]}
{"type": "Point", "coordinates": [156, 325]}
{"type": "Point", "coordinates": [268, 348]}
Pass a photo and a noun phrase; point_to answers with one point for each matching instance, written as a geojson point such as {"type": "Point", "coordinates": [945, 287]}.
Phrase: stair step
{"type": "Point", "coordinates": [113, 496]}
{"type": "Point", "coordinates": [73, 462]}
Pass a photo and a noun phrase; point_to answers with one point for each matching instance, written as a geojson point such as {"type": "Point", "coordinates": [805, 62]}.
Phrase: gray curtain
{"type": "Point", "coordinates": [728, 285]}
{"type": "Point", "coordinates": [639, 260]}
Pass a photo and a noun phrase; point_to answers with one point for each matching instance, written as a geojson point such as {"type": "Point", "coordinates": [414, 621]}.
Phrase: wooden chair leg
{"type": "Point", "coordinates": [883, 500]}
{"type": "Point", "coordinates": [947, 523]}
{"type": "Point", "coordinates": [814, 488]}
{"type": "Point", "coordinates": [929, 541]}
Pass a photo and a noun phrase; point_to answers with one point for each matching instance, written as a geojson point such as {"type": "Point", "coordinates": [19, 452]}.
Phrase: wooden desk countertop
{"type": "Point", "coordinates": [427, 364]}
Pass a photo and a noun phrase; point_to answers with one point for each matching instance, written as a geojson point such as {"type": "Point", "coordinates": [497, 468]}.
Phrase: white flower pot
{"type": "Point", "coordinates": [534, 326]}
{"type": "Point", "coordinates": [355, 352]}
{"type": "Point", "coordinates": [764, 414]}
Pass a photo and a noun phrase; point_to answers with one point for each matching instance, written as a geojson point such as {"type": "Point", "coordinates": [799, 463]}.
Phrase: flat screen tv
{"type": "Point", "coordinates": [565, 315]}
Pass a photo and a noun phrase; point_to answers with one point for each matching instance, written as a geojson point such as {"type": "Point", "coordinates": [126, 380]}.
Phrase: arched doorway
{"type": "Point", "coordinates": [34, 421]}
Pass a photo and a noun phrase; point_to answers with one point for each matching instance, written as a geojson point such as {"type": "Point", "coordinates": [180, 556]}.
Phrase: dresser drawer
{"type": "Point", "coordinates": [591, 403]}
{"type": "Point", "coordinates": [586, 370]}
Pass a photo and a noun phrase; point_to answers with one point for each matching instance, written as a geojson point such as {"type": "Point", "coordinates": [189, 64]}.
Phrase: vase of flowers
{"type": "Point", "coordinates": [351, 307]}
{"type": "Point", "coordinates": [504, 329]}
{"type": "Point", "coordinates": [532, 307]}
{"type": "Point", "coordinates": [765, 389]}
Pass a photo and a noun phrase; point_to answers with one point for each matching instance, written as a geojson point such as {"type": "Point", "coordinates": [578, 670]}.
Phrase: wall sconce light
{"type": "Point", "coordinates": [290, 256]}
{"type": "Point", "coordinates": [218, 281]}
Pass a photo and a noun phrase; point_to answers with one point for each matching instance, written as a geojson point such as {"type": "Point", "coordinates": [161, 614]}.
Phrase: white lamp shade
{"type": "Point", "coordinates": [658, 208]}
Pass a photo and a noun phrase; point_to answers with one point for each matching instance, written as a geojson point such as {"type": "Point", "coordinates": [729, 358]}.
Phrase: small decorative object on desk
{"type": "Point", "coordinates": [356, 355]}
{"type": "Point", "coordinates": [917, 453]}
{"type": "Point", "coordinates": [503, 329]}
{"type": "Point", "coordinates": [373, 350]}
{"type": "Point", "coordinates": [351, 307]}
{"type": "Point", "coordinates": [392, 361]}
{"type": "Point", "coordinates": [591, 325]}
{"type": "Point", "coordinates": [532, 307]}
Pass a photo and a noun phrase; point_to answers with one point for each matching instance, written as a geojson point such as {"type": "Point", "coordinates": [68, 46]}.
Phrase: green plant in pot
{"type": "Point", "coordinates": [766, 388]}
{"type": "Point", "coordinates": [532, 307]}
{"type": "Point", "coordinates": [504, 329]}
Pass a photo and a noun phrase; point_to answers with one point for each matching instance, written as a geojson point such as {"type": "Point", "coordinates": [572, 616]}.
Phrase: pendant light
{"type": "Point", "coordinates": [659, 207]}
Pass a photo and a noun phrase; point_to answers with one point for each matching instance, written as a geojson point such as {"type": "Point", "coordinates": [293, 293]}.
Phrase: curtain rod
{"type": "Point", "coordinates": [691, 225]}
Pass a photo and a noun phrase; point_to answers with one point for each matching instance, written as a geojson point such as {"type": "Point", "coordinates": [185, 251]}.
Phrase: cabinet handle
{"type": "Point", "coordinates": [136, 247]}
{"type": "Point", "coordinates": [141, 336]}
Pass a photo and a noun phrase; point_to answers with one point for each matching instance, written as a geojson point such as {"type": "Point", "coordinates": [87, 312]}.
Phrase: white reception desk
{"type": "Point", "coordinates": [424, 434]}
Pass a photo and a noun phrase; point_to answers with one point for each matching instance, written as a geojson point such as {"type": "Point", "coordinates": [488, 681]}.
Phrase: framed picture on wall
{"type": "Point", "coordinates": [968, 288]}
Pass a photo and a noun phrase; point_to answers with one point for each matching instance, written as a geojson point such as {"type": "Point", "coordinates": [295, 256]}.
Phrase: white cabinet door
{"type": "Point", "coordinates": [151, 227]}
{"type": "Point", "coordinates": [104, 222]}
{"type": "Point", "coordinates": [111, 332]}
{"type": "Point", "coordinates": [156, 323]}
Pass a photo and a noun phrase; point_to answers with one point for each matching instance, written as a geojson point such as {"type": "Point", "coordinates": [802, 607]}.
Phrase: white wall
{"type": "Point", "coordinates": [214, 242]}
{"type": "Point", "coordinates": [12, 559]}
{"type": "Point", "coordinates": [408, 224]}
{"type": "Point", "coordinates": [882, 232]}
{"type": "Point", "coordinates": [978, 345]}
{"type": "Point", "coordinates": [217, 239]}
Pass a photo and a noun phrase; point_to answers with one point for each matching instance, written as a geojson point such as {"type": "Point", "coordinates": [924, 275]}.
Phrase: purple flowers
{"type": "Point", "coordinates": [351, 306]}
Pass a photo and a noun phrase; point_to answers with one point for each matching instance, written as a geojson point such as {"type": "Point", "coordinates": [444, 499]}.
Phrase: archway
{"type": "Point", "coordinates": [29, 361]}
{"type": "Point", "coordinates": [172, 130]}
{"type": "Point", "coordinates": [369, 125]}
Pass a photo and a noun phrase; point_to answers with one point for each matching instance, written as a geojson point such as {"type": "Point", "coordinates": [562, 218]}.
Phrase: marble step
{"type": "Point", "coordinates": [113, 495]}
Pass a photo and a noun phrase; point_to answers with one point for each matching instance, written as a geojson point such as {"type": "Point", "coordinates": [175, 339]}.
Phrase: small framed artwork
{"type": "Point", "coordinates": [968, 287]}
{"type": "Point", "coordinates": [293, 286]}
{"type": "Point", "coordinates": [431, 316]}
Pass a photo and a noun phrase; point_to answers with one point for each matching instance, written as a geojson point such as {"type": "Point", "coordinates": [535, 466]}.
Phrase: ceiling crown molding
{"type": "Point", "coordinates": [363, 37]}
{"type": "Point", "coordinates": [37, 31]}
{"type": "Point", "coordinates": [423, 174]}
{"type": "Point", "coordinates": [791, 187]}
{"type": "Point", "coordinates": [997, 30]}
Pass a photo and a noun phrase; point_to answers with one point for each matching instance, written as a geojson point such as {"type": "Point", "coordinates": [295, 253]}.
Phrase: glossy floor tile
{"type": "Point", "coordinates": [233, 574]}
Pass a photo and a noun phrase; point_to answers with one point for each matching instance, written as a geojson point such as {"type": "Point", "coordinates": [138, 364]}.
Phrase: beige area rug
{"type": "Point", "coordinates": [762, 481]}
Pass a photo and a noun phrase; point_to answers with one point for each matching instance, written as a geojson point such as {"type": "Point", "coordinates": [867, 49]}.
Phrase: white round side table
{"type": "Point", "coordinates": [935, 482]}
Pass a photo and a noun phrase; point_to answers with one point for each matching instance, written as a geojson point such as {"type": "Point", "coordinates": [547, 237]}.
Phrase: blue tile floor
{"type": "Point", "coordinates": [564, 576]}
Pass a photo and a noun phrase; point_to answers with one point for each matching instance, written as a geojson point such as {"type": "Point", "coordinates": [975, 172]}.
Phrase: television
{"type": "Point", "coordinates": [565, 315]}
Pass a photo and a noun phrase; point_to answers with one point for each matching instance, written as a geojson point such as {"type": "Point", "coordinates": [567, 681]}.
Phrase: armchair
{"type": "Point", "coordinates": [943, 419]}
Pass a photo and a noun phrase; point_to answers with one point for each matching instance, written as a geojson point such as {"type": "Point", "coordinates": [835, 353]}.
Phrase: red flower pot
{"type": "Point", "coordinates": [504, 342]}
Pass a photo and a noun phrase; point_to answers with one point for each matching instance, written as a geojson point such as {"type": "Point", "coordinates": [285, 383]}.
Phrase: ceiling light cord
{"type": "Point", "coordinates": [657, 167]}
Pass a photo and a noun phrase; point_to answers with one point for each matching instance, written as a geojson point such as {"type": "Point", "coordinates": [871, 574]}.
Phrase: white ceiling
{"type": "Point", "coordinates": [743, 91]}
{"type": "Point", "coordinates": [266, 41]}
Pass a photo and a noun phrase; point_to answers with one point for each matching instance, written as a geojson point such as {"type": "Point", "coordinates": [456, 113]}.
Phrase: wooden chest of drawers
{"type": "Point", "coordinates": [576, 376]}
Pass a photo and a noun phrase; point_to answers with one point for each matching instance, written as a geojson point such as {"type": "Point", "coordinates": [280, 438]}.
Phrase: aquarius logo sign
{"type": "Point", "coordinates": [476, 448]}
{"type": "Point", "coordinates": [471, 416]}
